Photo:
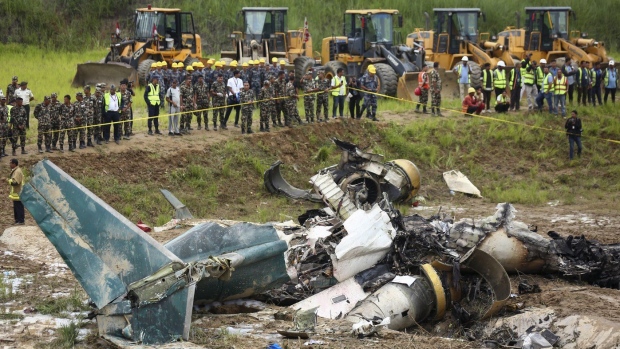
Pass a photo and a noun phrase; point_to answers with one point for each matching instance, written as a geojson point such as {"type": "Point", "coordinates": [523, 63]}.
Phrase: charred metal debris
{"type": "Point", "coordinates": [357, 259]}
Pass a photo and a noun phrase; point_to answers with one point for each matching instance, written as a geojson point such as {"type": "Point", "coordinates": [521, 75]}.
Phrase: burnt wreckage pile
{"type": "Point", "coordinates": [358, 259]}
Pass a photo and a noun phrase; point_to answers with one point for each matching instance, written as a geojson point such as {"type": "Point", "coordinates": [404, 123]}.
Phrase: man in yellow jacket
{"type": "Point", "coordinates": [16, 181]}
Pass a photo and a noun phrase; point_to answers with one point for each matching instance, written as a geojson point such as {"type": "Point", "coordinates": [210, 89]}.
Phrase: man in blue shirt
{"type": "Point", "coordinates": [596, 75]}
{"type": "Point", "coordinates": [569, 72]}
{"type": "Point", "coordinates": [610, 81]}
{"type": "Point", "coordinates": [463, 72]}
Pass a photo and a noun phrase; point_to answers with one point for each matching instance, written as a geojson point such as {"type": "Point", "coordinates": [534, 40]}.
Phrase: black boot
{"type": "Point", "coordinates": [262, 129]}
{"type": "Point", "coordinates": [40, 149]}
{"type": "Point", "coordinates": [417, 108]}
{"type": "Point", "coordinates": [90, 143]}
{"type": "Point", "coordinates": [250, 131]}
{"type": "Point", "coordinates": [98, 140]}
{"type": "Point", "coordinates": [61, 150]}
{"type": "Point", "coordinates": [242, 131]}
{"type": "Point", "coordinates": [24, 151]}
{"type": "Point", "coordinates": [14, 151]}
{"type": "Point", "coordinates": [2, 153]}
{"type": "Point", "coordinates": [433, 111]}
{"type": "Point", "coordinates": [82, 145]}
{"type": "Point", "coordinates": [424, 110]}
{"type": "Point", "coordinates": [48, 149]}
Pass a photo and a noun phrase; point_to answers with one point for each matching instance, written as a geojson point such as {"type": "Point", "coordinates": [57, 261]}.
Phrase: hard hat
{"type": "Point", "coordinates": [245, 65]}
{"type": "Point", "coordinates": [262, 60]}
{"type": "Point", "coordinates": [210, 61]}
{"type": "Point", "coordinates": [189, 68]}
{"type": "Point", "coordinates": [154, 65]}
{"type": "Point", "coordinates": [501, 64]}
{"type": "Point", "coordinates": [233, 64]}
{"type": "Point", "coordinates": [417, 91]}
{"type": "Point", "coordinates": [222, 63]}
{"type": "Point", "coordinates": [180, 65]}
{"type": "Point", "coordinates": [372, 69]}
{"type": "Point", "coordinates": [195, 64]}
{"type": "Point", "coordinates": [282, 62]}
{"type": "Point", "coordinates": [471, 90]}
{"type": "Point", "coordinates": [274, 60]}
{"type": "Point", "coordinates": [163, 63]}
{"type": "Point", "coordinates": [217, 64]}
{"type": "Point", "coordinates": [543, 61]}
{"type": "Point", "coordinates": [200, 65]}
{"type": "Point", "coordinates": [175, 65]}
{"type": "Point", "coordinates": [465, 59]}
{"type": "Point", "coordinates": [612, 63]}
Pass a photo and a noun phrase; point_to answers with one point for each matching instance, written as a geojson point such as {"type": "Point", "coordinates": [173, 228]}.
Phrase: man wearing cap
{"type": "Point", "coordinates": [435, 89]}
{"type": "Point", "coordinates": [569, 73]}
{"type": "Point", "coordinates": [218, 101]}
{"type": "Point", "coordinates": [247, 99]}
{"type": "Point", "coordinates": [292, 113]}
{"type": "Point", "coordinates": [540, 74]}
{"type": "Point", "coordinates": [322, 99]}
{"type": "Point", "coordinates": [234, 86]}
{"type": "Point", "coordinates": [596, 75]}
{"type": "Point", "coordinates": [471, 104]}
{"type": "Point", "coordinates": [371, 83]}
{"type": "Point", "coordinates": [279, 87]}
{"type": "Point", "coordinates": [66, 123]}
{"type": "Point", "coordinates": [308, 85]}
{"type": "Point", "coordinates": [173, 96]}
{"type": "Point", "coordinates": [4, 124]}
{"type": "Point", "coordinates": [19, 119]}
{"type": "Point", "coordinates": [151, 97]}
{"type": "Point", "coordinates": [55, 119]}
{"type": "Point", "coordinates": [127, 100]}
{"type": "Point", "coordinates": [11, 88]}
{"type": "Point", "coordinates": [188, 104]}
{"type": "Point", "coordinates": [42, 114]}
{"type": "Point", "coordinates": [560, 87]}
{"type": "Point", "coordinates": [90, 101]}
{"type": "Point", "coordinates": [208, 73]}
{"type": "Point", "coordinates": [16, 181]}
{"type": "Point", "coordinates": [201, 91]}
{"type": "Point", "coordinates": [246, 74]}
{"type": "Point", "coordinates": [26, 96]}
{"type": "Point", "coordinates": [546, 91]}
{"type": "Point", "coordinates": [267, 106]}
{"type": "Point", "coordinates": [80, 111]}
{"type": "Point", "coordinates": [256, 78]}
{"type": "Point", "coordinates": [610, 81]}
{"type": "Point", "coordinates": [463, 75]}
{"type": "Point", "coordinates": [499, 79]}
{"type": "Point", "coordinates": [98, 115]}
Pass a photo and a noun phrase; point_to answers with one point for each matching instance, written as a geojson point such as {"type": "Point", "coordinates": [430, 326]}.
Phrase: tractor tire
{"type": "Point", "coordinates": [189, 60]}
{"type": "Point", "coordinates": [332, 67]}
{"type": "Point", "coordinates": [302, 65]}
{"type": "Point", "coordinates": [387, 78]}
{"type": "Point", "coordinates": [143, 70]}
{"type": "Point", "coordinates": [476, 73]}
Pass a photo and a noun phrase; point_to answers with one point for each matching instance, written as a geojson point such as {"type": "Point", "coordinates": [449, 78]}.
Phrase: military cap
{"type": "Point", "coordinates": [54, 95]}
{"type": "Point", "coordinates": [23, 83]}
{"type": "Point", "coordinates": [79, 94]}
{"type": "Point", "coordinates": [87, 87]}
{"type": "Point", "coordinates": [46, 98]}
{"type": "Point", "coordinates": [15, 78]}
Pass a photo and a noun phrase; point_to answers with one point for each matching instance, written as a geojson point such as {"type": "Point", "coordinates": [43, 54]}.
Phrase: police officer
{"type": "Point", "coordinates": [371, 84]}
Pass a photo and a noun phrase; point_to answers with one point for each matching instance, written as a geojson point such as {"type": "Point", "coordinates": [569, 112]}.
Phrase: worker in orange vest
{"type": "Point", "coordinates": [424, 86]}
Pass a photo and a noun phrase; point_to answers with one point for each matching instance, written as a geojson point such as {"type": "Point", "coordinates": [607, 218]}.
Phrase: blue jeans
{"type": "Point", "coordinates": [540, 101]}
{"type": "Point", "coordinates": [338, 101]}
{"type": "Point", "coordinates": [572, 139]}
{"type": "Point", "coordinates": [560, 102]}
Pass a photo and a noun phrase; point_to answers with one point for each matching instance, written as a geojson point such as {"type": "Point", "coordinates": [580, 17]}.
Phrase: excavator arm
{"type": "Point", "coordinates": [576, 53]}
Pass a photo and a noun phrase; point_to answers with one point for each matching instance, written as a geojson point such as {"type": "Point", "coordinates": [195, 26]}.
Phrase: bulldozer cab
{"type": "Point", "coordinates": [363, 28]}
{"type": "Point", "coordinates": [261, 23]}
{"type": "Point", "coordinates": [543, 25]}
{"type": "Point", "coordinates": [453, 26]}
{"type": "Point", "coordinates": [173, 29]}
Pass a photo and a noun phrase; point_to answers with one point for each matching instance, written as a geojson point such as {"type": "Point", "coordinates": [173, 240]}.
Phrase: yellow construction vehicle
{"type": "Point", "coordinates": [547, 35]}
{"type": "Point", "coordinates": [161, 34]}
{"type": "Point", "coordinates": [455, 36]}
{"type": "Point", "coordinates": [369, 38]}
{"type": "Point", "coordinates": [265, 35]}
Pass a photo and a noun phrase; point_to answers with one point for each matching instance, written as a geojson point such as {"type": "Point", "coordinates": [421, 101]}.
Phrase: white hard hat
{"type": "Point", "coordinates": [543, 61]}
{"type": "Point", "coordinates": [464, 59]}
{"type": "Point", "coordinates": [612, 62]}
{"type": "Point", "coordinates": [501, 64]}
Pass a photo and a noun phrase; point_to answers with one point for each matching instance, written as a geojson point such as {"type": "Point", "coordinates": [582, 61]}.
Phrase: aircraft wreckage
{"type": "Point", "coordinates": [357, 259]}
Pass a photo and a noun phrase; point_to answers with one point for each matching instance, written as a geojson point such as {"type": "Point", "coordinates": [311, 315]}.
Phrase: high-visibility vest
{"type": "Point", "coordinates": [606, 78]}
{"type": "Point", "coordinates": [540, 75]}
{"type": "Point", "coordinates": [460, 67]}
{"type": "Point", "coordinates": [153, 94]}
{"type": "Point", "coordinates": [14, 194]}
{"type": "Point", "coordinates": [548, 86]}
{"type": "Point", "coordinates": [560, 86]}
{"type": "Point", "coordinates": [500, 79]}
{"type": "Point", "coordinates": [512, 77]}
{"type": "Point", "coordinates": [580, 73]}
{"type": "Point", "coordinates": [106, 99]}
{"type": "Point", "coordinates": [527, 76]}
{"type": "Point", "coordinates": [421, 81]}
{"type": "Point", "coordinates": [336, 81]}
{"type": "Point", "coordinates": [486, 73]}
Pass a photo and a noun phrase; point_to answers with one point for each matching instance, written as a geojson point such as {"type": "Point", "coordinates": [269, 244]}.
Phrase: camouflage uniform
{"type": "Point", "coordinates": [97, 118]}
{"type": "Point", "coordinates": [370, 99]}
{"type": "Point", "coordinates": [42, 114]}
{"type": "Point", "coordinates": [55, 122]}
{"type": "Point", "coordinates": [202, 103]}
{"type": "Point", "coordinates": [267, 107]}
{"type": "Point", "coordinates": [291, 104]}
{"type": "Point", "coordinates": [245, 75]}
{"type": "Point", "coordinates": [308, 86]}
{"type": "Point", "coordinates": [256, 81]}
{"type": "Point", "coordinates": [80, 113]}
{"type": "Point", "coordinates": [187, 105]}
{"type": "Point", "coordinates": [218, 102]}
{"type": "Point", "coordinates": [91, 102]}
{"type": "Point", "coordinates": [246, 109]}
{"type": "Point", "coordinates": [10, 91]}
{"type": "Point", "coordinates": [322, 98]}
{"type": "Point", "coordinates": [4, 128]}
{"type": "Point", "coordinates": [279, 88]}
{"type": "Point", "coordinates": [424, 91]}
{"type": "Point", "coordinates": [66, 123]}
{"type": "Point", "coordinates": [125, 114]}
{"type": "Point", "coordinates": [435, 88]}
{"type": "Point", "coordinates": [18, 123]}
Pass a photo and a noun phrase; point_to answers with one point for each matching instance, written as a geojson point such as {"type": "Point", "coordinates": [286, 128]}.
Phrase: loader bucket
{"type": "Point", "coordinates": [449, 84]}
{"type": "Point", "coordinates": [92, 73]}
{"type": "Point", "coordinates": [407, 84]}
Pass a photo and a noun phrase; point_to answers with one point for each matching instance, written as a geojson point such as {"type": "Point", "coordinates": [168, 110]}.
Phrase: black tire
{"type": "Point", "coordinates": [189, 60]}
{"type": "Point", "coordinates": [388, 78]}
{"type": "Point", "coordinates": [476, 73]}
{"type": "Point", "coordinates": [332, 67]}
{"type": "Point", "coordinates": [302, 65]}
{"type": "Point", "coordinates": [143, 70]}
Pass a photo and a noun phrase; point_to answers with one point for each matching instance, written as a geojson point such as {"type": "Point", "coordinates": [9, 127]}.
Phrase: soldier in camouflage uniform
{"type": "Point", "coordinates": [266, 105]}
{"type": "Point", "coordinates": [80, 113]}
{"type": "Point", "coordinates": [188, 104]}
{"type": "Point", "coordinates": [245, 74]}
{"type": "Point", "coordinates": [42, 114]}
{"type": "Point", "coordinates": [201, 90]}
{"type": "Point", "coordinates": [309, 86]}
{"type": "Point", "coordinates": [125, 109]}
{"type": "Point", "coordinates": [247, 99]}
{"type": "Point", "coordinates": [66, 123]}
{"type": "Point", "coordinates": [91, 102]}
{"type": "Point", "coordinates": [423, 84]}
{"type": "Point", "coordinates": [279, 87]}
{"type": "Point", "coordinates": [218, 93]}
{"type": "Point", "coordinates": [256, 79]}
{"type": "Point", "coordinates": [4, 124]}
{"type": "Point", "coordinates": [55, 119]}
{"type": "Point", "coordinates": [18, 125]}
{"type": "Point", "coordinates": [371, 83]}
{"type": "Point", "coordinates": [291, 103]}
{"type": "Point", "coordinates": [10, 90]}
{"type": "Point", "coordinates": [323, 84]}
{"type": "Point", "coordinates": [435, 89]}
{"type": "Point", "coordinates": [98, 115]}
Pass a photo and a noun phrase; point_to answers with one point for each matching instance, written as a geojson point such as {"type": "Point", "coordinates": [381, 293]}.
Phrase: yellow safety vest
{"type": "Point", "coordinates": [606, 77]}
{"type": "Point", "coordinates": [336, 82]}
{"type": "Point", "coordinates": [560, 86]}
{"type": "Point", "coordinates": [548, 86]}
{"type": "Point", "coordinates": [484, 78]}
{"type": "Point", "coordinates": [540, 75]}
{"type": "Point", "coordinates": [460, 67]}
{"type": "Point", "coordinates": [528, 77]}
{"type": "Point", "coordinates": [106, 98]}
{"type": "Point", "coordinates": [500, 79]}
{"type": "Point", "coordinates": [16, 189]}
{"type": "Point", "coordinates": [154, 94]}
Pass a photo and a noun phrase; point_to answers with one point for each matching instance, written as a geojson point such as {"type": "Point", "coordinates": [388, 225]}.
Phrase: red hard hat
{"type": "Point", "coordinates": [418, 91]}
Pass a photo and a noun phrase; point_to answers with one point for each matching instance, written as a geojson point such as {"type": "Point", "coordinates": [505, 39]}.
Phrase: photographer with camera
{"type": "Point", "coordinates": [573, 131]}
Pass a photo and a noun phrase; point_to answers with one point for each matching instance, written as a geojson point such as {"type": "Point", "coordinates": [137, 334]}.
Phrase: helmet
{"type": "Point", "coordinates": [194, 64]}
{"type": "Point", "coordinates": [501, 64]}
{"type": "Point", "coordinates": [465, 59]}
{"type": "Point", "coordinates": [154, 65]}
{"type": "Point", "coordinates": [180, 65]}
{"type": "Point", "coordinates": [612, 63]}
{"type": "Point", "coordinates": [210, 61]}
{"type": "Point", "coordinates": [189, 68]}
{"type": "Point", "coordinates": [282, 62]}
{"type": "Point", "coordinates": [175, 65]}
{"type": "Point", "coordinates": [200, 65]}
{"type": "Point", "coordinates": [222, 63]}
{"type": "Point", "coordinates": [417, 91]}
{"type": "Point", "coordinates": [233, 64]}
{"type": "Point", "coordinates": [274, 60]}
{"type": "Point", "coordinates": [372, 69]}
{"type": "Point", "coordinates": [262, 60]}
{"type": "Point", "coordinates": [471, 90]}
{"type": "Point", "coordinates": [245, 65]}
{"type": "Point", "coordinates": [250, 62]}
{"type": "Point", "coordinates": [543, 61]}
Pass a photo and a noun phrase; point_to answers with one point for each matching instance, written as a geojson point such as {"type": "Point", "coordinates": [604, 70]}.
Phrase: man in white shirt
{"type": "Point", "coordinates": [112, 102]}
{"type": "Point", "coordinates": [235, 84]}
{"type": "Point", "coordinates": [339, 91]}
{"type": "Point", "coordinates": [173, 96]}
{"type": "Point", "coordinates": [27, 96]}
